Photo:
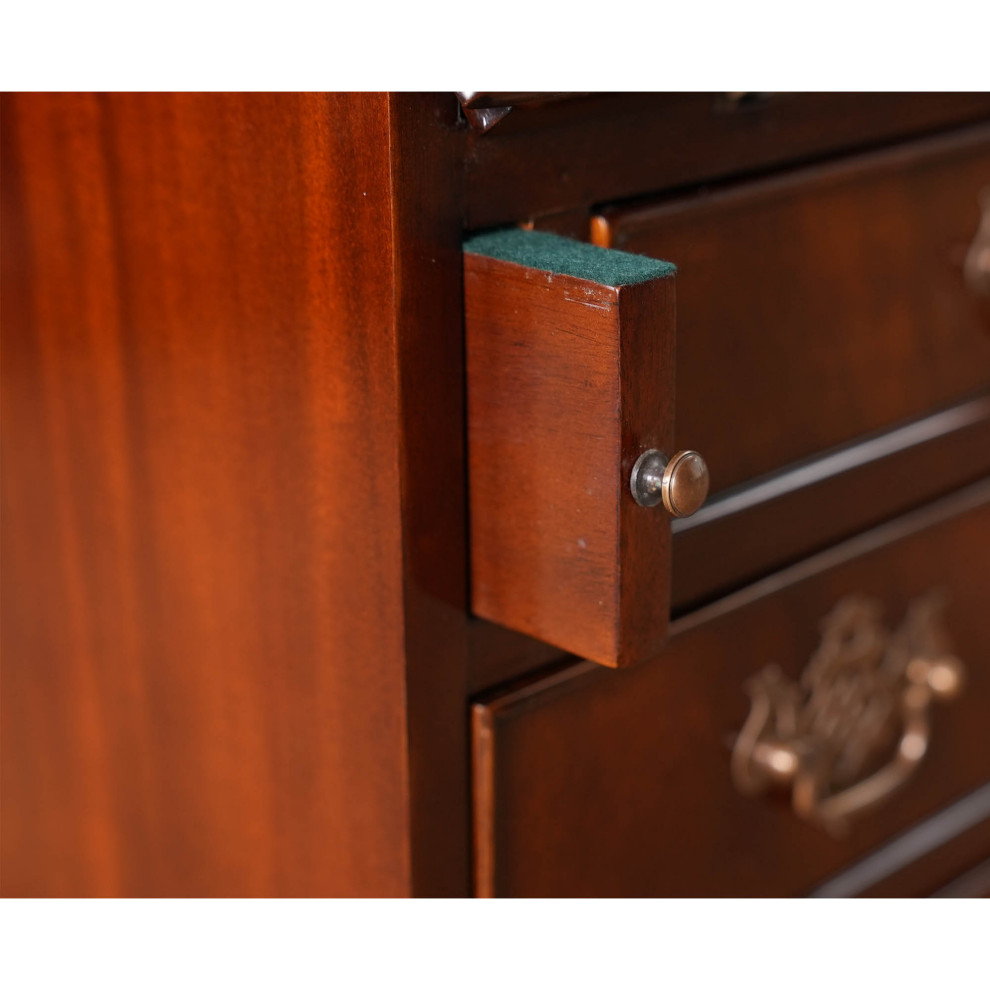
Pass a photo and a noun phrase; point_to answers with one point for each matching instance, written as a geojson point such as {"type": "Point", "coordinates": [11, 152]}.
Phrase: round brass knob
{"type": "Point", "coordinates": [680, 482]}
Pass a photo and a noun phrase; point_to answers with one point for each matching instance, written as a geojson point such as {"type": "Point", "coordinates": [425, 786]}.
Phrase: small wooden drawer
{"type": "Point", "coordinates": [822, 304]}
{"type": "Point", "coordinates": [570, 382]}
{"type": "Point", "coordinates": [641, 782]}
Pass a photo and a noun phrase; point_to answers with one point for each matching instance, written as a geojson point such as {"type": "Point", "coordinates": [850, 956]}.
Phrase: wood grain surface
{"type": "Point", "coordinates": [778, 519]}
{"type": "Point", "coordinates": [760, 527]}
{"type": "Point", "coordinates": [568, 382]}
{"type": "Point", "coordinates": [561, 155]}
{"type": "Point", "coordinates": [210, 588]}
{"type": "Point", "coordinates": [616, 783]}
{"type": "Point", "coordinates": [822, 304]}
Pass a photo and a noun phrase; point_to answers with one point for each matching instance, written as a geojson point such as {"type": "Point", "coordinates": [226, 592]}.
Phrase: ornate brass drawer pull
{"type": "Point", "coordinates": [856, 725]}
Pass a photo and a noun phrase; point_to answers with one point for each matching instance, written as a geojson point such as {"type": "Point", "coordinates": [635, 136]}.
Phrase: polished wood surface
{"type": "Point", "coordinates": [975, 882]}
{"type": "Point", "coordinates": [605, 783]}
{"type": "Point", "coordinates": [924, 860]}
{"type": "Point", "coordinates": [572, 153]}
{"type": "Point", "coordinates": [835, 293]}
{"type": "Point", "coordinates": [237, 651]}
{"type": "Point", "coordinates": [425, 158]}
{"type": "Point", "coordinates": [776, 520]}
{"type": "Point", "coordinates": [568, 382]}
{"type": "Point", "coordinates": [219, 577]}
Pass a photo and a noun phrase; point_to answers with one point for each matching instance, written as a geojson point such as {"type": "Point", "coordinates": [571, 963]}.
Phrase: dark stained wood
{"type": "Point", "coordinates": [575, 224]}
{"type": "Point", "coordinates": [497, 655]}
{"type": "Point", "coordinates": [760, 527]}
{"type": "Point", "coordinates": [236, 648]}
{"type": "Point", "coordinates": [616, 783]}
{"type": "Point", "coordinates": [484, 110]}
{"type": "Point", "coordinates": [426, 152]}
{"type": "Point", "coordinates": [821, 305]}
{"type": "Point", "coordinates": [507, 99]}
{"type": "Point", "coordinates": [926, 858]}
{"type": "Point", "coordinates": [975, 882]}
{"type": "Point", "coordinates": [774, 521]}
{"type": "Point", "coordinates": [607, 146]}
{"type": "Point", "coordinates": [568, 382]}
{"type": "Point", "coordinates": [929, 875]}
{"type": "Point", "coordinates": [219, 577]}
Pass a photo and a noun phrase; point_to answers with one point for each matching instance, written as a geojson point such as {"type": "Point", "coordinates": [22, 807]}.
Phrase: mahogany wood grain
{"type": "Point", "coordinates": [575, 224]}
{"type": "Point", "coordinates": [497, 655]}
{"type": "Point", "coordinates": [616, 783]}
{"type": "Point", "coordinates": [607, 146]}
{"type": "Point", "coordinates": [219, 578]}
{"type": "Point", "coordinates": [510, 99]}
{"type": "Point", "coordinates": [425, 157]}
{"type": "Point", "coordinates": [975, 882]}
{"type": "Point", "coordinates": [821, 305]}
{"type": "Point", "coordinates": [568, 382]}
{"type": "Point", "coordinates": [925, 859]}
{"type": "Point", "coordinates": [774, 521]}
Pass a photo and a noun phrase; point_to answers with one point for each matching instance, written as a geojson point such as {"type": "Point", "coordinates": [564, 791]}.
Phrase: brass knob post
{"type": "Point", "coordinates": [680, 482]}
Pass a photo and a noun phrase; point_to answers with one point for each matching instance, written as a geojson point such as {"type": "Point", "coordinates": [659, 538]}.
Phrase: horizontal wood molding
{"type": "Point", "coordinates": [747, 532]}
{"type": "Point", "coordinates": [607, 146]}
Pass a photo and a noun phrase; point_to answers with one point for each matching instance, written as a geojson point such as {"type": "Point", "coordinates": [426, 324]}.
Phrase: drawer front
{"type": "Point", "coordinates": [620, 783]}
{"type": "Point", "coordinates": [569, 372]}
{"type": "Point", "coordinates": [821, 305]}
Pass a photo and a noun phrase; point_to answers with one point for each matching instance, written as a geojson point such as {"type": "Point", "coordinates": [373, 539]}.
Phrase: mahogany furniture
{"type": "Point", "coordinates": [325, 519]}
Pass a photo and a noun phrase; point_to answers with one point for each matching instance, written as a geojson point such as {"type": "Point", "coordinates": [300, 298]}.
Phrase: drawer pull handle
{"type": "Point", "coordinates": [861, 707]}
{"type": "Point", "coordinates": [680, 482]}
{"type": "Point", "coordinates": [976, 267]}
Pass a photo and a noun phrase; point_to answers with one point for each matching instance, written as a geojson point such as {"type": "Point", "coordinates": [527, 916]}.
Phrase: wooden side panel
{"type": "Point", "coordinates": [568, 382]}
{"type": "Point", "coordinates": [617, 783]}
{"type": "Point", "coordinates": [425, 150]}
{"type": "Point", "coordinates": [203, 669]}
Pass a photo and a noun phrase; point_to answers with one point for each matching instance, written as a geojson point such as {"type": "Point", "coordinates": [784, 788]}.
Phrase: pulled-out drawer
{"type": "Point", "coordinates": [786, 732]}
{"type": "Point", "coordinates": [822, 304]}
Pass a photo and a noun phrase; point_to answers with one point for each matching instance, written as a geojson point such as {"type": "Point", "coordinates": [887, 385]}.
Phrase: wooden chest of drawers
{"type": "Point", "coordinates": [618, 783]}
{"type": "Point", "coordinates": [272, 448]}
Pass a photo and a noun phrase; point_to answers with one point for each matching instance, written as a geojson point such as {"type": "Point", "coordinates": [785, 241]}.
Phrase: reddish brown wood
{"type": "Point", "coordinates": [497, 655]}
{"type": "Point", "coordinates": [229, 621]}
{"type": "Point", "coordinates": [779, 519]}
{"type": "Point", "coordinates": [975, 882]}
{"type": "Point", "coordinates": [926, 875]}
{"type": "Point", "coordinates": [234, 576]}
{"type": "Point", "coordinates": [575, 224]}
{"type": "Point", "coordinates": [610, 783]}
{"type": "Point", "coordinates": [425, 158]}
{"type": "Point", "coordinates": [510, 99]}
{"type": "Point", "coordinates": [607, 146]}
{"type": "Point", "coordinates": [820, 305]}
{"type": "Point", "coordinates": [566, 387]}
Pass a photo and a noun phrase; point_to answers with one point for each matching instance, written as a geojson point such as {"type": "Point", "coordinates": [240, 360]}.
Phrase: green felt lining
{"type": "Point", "coordinates": [563, 256]}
